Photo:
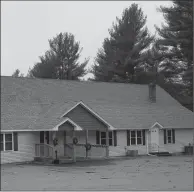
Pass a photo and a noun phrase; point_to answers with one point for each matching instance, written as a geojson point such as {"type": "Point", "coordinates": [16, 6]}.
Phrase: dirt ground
{"type": "Point", "coordinates": [145, 173]}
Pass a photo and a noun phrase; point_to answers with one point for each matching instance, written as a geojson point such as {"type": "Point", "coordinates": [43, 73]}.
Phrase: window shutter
{"type": "Point", "coordinates": [115, 137]}
{"type": "Point", "coordinates": [15, 141]}
{"type": "Point", "coordinates": [164, 136]}
{"type": "Point", "coordinates": [97, 137]}
{"type": "Point", "coordinates": [143, 137]}
{"type": "Point", "coordinates": [47, 137]}
{"type": "Point", "coordinates": [128, 137]}
{"type": "Point", "coordinates": [173, 135]}
{"type": "Point", "coordinates": [41, 136]}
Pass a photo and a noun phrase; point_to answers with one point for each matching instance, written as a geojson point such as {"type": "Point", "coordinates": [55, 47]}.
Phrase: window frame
{"type": "Point", "coordinates": [136, 144]}
{"type": "Point", "coordinates": [109, 138]}
{"type": "Point", "coordinates": [4, 142]}
{"type": "Point", "coordinates": [171, 137]}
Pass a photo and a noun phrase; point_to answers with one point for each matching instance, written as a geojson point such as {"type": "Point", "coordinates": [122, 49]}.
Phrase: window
{"type": "Point", "coordinates": [102, 139]}
{"type": "Point", "coordinates": [139, 138]}
{"type": "Point", "coordinates": [133, 138]}
{"type": "Point", "coordinates": [136, 137]}
{"type": "Point", "coordinates": [6, 142]}
{"type": "Point", "coordinates": [169, 136]}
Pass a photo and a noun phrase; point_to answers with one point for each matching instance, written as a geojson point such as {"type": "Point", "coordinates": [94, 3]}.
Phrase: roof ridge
{"type": "Point", "coordinates": [78, 81]}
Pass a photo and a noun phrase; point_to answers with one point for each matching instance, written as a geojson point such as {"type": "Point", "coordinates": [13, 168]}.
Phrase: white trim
{"type": "Point", "coordinates": [20, 130]}
{"type": "Point", "coordinates": [132, 129]}
{"type": "Point", "coordinates": [136, 137]}
{"type": "Point", "coordinates": [89, 109]}
{"type": "Point", "coordinates": [110, 129]}
{"type": "Point", "coordinates": [171, 137]}
{"type": "Point", "coordinates": [5, 142]}
{"type": "Point", "coordinates": [100, 139]}
{"type": "Point", "coordinates": [156, 123]}
{"type": "Point", "coordinates": [77, 127]}
{"type": "Point", "coordinates": [147, 141]}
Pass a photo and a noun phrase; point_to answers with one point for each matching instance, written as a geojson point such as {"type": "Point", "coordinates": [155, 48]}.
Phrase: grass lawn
{"type": "Point", "coordinates": [142, 173]}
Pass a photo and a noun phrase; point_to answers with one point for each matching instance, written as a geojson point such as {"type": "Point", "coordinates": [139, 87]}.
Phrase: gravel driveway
{"type": "Point", "coordinates": [145, 173]}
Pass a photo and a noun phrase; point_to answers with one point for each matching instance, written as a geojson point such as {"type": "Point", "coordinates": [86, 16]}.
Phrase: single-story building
{"type": "Point", "coordinates": [41, 116]}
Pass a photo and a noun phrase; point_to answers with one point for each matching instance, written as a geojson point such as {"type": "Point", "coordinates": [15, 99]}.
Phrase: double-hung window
{"type": "Point", "coordinates": [102, 138]}
{"type": "Point", "coordinates": [136, 137]}
{"type": "Point", "coordinates": [169, 136]}
{"type": "Point", "coordinates": [6, 141]}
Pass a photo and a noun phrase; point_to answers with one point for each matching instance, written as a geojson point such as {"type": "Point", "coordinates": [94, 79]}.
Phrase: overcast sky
{"type": "Point", "coordinates": [26, 27]}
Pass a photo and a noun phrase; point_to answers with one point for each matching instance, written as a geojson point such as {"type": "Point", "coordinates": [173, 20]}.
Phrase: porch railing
{"type": "Point", "coordinates": [43, 150]}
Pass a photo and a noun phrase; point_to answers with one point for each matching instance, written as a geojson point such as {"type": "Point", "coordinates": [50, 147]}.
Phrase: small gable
{"type": "Point", "coordinates": [67, 126]}
{"type": "Point", "coordinates": [157, 125]}
{"type": "Point", "coordinates": [85, 119]}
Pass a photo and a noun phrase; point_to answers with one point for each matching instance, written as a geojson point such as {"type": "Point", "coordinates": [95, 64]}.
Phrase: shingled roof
{"type": "Point", "coordinates": [37, 104]}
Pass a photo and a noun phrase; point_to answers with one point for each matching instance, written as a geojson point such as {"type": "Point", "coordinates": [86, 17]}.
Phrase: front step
{"type": "Point", "coordinates": [161, 153]}
{"type": "Point", "coordinates": [50, 160]}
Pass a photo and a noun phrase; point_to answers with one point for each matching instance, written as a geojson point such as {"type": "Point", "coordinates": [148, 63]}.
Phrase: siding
{"type": "Point", "coordinates": [182, 137]}
{"type": "Point", "coordinates": [120, 150]}
{"type": "Point", "coordinates": [85, 119]}
{"type": "Point", "coordinates": [66, 126]}
{"type": "Point", "coordinates": [26, 148]}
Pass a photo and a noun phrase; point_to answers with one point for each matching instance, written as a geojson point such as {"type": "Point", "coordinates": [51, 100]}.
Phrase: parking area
{"type": "Point", "coordinates": [142, 173]}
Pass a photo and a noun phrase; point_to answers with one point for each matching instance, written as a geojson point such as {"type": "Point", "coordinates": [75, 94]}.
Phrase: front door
{"type": "Point", "coordinates": [155, 139]}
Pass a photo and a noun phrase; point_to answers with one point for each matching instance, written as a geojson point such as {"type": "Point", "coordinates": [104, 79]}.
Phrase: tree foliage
{"type": "Point", "coordinates": [175, 43]}
{"type": "Point", "coordinates": [17, 73]}
{"type": "Point", "coordinates": [123, 51]}
{"type": "Point", "coordinates": [61, 60]}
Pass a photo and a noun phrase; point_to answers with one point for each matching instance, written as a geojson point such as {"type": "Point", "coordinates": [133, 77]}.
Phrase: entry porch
{"type": "Point", "coordinates": [73, 142]}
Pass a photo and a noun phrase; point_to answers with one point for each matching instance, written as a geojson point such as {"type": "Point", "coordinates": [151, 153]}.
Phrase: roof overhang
{"type": "Point", "coordinates": [110, 127]}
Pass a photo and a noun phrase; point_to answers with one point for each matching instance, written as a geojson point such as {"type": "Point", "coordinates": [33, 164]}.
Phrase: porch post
{"type": "Point", "coordinates": [147, 141]}
{"type": "Point", "coordinates": [74, 148]}
{"type": "Point", "coordinates": [107, 143]}
{"type": "Point", "coordinates": [86, 143]}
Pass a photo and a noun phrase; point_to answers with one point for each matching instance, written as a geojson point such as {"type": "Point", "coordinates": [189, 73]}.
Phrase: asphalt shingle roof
{"type": "Point", "coordinates": [38, 104]}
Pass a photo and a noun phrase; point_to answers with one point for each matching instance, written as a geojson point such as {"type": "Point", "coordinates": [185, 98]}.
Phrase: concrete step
{"type": "Point", "coordinates": [161, 153]}
{"type": "Point", "coordinates": [50, 160]}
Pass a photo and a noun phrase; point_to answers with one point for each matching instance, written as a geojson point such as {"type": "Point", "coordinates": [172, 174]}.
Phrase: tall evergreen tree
{"type": "Point", "coordinates": [176, 41]}
{"type": "Point", "coordinates": [123, 51]}
{"type": "Point", "coordinates": [61, 60]}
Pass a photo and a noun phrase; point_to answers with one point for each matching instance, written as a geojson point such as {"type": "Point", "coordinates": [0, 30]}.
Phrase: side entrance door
{"type": "Point", "coordinates": [154, 139]}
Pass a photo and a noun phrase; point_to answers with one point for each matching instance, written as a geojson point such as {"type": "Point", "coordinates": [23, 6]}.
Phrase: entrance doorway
{"type": "Point", "coordinates": [155, 139]}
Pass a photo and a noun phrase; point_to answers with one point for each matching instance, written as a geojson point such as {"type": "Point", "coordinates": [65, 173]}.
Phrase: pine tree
{"type": "Point", "coordinates": [176, 41]}
{"type": "Point", "coordinates": [122, 53]}
{"type": "Point", "coordinates": [61, 60]}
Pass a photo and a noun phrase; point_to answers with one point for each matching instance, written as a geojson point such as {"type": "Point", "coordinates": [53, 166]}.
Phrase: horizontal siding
{"type": "Point", "coordinates": [85, 119]}
{"type": "Point", "coordinates": [66, 126]}
{"type": "Point", "coordinates": [120, 149]}
{"type": "Point", "coordinates": [182, 137]}
{"type": "Point", "coordinates": [26, 148]}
